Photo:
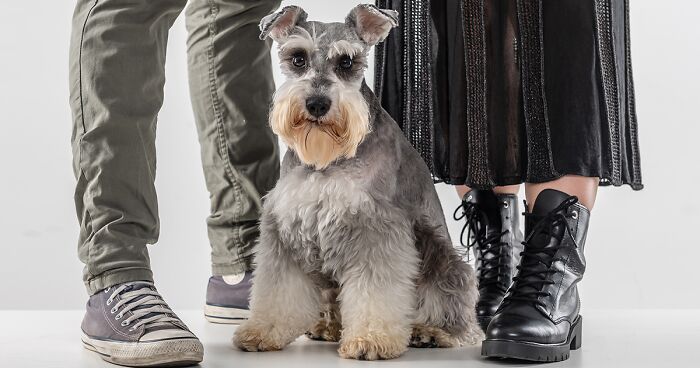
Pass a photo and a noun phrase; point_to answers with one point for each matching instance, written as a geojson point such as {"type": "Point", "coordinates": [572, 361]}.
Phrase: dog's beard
{"type": "Point", "coordinates": [319, 143]}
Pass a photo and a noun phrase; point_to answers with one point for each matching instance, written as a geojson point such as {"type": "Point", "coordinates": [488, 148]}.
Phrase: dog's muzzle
{"type": "Point", "coordinates": [318, 106]}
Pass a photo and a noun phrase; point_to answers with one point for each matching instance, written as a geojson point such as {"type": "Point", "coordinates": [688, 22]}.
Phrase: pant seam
{"type": "Point", "coordinates": [221, 134]}
{"type": "Point", "coordinates": [82, 121]}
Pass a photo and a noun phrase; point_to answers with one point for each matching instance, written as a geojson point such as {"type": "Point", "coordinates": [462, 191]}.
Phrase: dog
{"type": "Point", "coordinates": [353, 231]}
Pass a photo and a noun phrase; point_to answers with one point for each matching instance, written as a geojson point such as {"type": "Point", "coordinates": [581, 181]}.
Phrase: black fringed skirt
{"type": "Point", "coordinates": [501, 92]}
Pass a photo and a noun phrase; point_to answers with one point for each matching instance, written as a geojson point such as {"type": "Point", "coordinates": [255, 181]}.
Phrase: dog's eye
{"type": "Point", "coordinates": [345, 62]}
{"type": "Point", "coordinates": [299, 61]}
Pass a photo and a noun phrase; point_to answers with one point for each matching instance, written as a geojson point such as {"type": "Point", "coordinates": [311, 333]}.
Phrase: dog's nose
{"type": "Point", "coordinates": [318, 105]}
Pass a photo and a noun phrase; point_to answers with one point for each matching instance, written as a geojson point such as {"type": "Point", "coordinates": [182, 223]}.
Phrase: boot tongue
{"type": "Point", "coordinates": [547, 201]}
{"type": "Point", "coordinates": [489, 204]}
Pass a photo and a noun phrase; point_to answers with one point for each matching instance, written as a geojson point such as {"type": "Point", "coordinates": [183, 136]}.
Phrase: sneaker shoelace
{"type": "Point", "coordinates": [489, 271]}
{"type": "Point", "coordinates": [536, 261]}
{"type": "Point", "coordinates": [147, 307]}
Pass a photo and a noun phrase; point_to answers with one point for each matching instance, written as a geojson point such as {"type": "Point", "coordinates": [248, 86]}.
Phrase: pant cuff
{"type": "Point", "coordinates": [244, 265]}
{"type": "Point", "coordinates": [112, 278]}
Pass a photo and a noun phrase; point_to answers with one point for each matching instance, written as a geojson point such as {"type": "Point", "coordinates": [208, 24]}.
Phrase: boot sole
{"type": "Point", "coordinates": [164, 353]}
{"type": "Point", "coordinates": [225, 315]}
{"type": "Point", "coordinates": [535, 352]}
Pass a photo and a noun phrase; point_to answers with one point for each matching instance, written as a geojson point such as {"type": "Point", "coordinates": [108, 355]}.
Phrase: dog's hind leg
{"type": "Point", "coordinates": [328, 326]}
{"type": "Point", "coordinates": [447, 293]}
{"type": "Point", "coordinates": [285, 301]}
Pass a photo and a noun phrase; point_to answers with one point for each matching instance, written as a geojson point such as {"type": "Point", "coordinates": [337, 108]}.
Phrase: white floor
{"type": "Point", "coordinates": [614, 338]}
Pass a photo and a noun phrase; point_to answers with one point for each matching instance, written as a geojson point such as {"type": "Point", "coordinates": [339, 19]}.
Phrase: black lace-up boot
{"type": "Point", "coordinates": [539, 318]}
{"type": "Point", "coordinates": [494, 236]}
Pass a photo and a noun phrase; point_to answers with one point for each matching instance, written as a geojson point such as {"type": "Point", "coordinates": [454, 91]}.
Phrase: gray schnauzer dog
{"type": "Point", "coordinates": [353, 231]}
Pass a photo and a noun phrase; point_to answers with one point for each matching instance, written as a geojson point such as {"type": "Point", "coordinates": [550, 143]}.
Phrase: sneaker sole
{"type": "Point", "coordinates": [532, 351]}
{"type": "Point", "coordinates": [170, 353]}
{"type": "Point", "coordinates": [225, 315]}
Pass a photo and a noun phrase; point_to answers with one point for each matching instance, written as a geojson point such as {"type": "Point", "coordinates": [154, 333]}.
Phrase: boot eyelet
{"type": "Point", "coordinates": [114, 310]}
{"type": "Point", "coordinates": [505, 204]}
{"type": "Point", "coordinates": [125, 323]}
{"type": "Point", "coordinates": [574, 215]}
{"type": "Point", "coordinates": [118, 317]}
{"type": "Point", "coordinates": [109, 301]}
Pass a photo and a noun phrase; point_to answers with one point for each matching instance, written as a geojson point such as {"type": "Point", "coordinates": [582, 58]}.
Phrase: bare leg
{"type": "Point", "coordinates": [462, 190]}
{"type": "Point", "coordinates": [508, 189]}
{"type": "Point", "coordinates": [585, 188]}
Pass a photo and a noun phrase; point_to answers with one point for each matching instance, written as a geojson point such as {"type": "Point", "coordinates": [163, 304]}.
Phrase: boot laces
{"type": "Point", "coordinates": [536, 261]}
{"type": "Point", "coordinates": [489, 270]}
{"type": "Point", "coordinates": [147, 307]}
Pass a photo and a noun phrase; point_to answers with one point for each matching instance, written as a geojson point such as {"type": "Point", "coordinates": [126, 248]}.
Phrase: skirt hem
{"type": "Point", "coordinates": [605, 181]}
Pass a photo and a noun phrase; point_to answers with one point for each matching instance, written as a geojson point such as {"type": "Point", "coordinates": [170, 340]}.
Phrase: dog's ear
{"type": "Point", "coordinates": [371, 23]}
{"type": "Point", "coordinates": [278, 25]}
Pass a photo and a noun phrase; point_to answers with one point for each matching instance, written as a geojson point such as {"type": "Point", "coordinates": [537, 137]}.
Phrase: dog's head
{"type": "Point", "coordinates": [319, 111]}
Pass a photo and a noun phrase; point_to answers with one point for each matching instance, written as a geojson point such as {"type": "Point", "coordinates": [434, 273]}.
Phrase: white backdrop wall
{"type": "Point", "coordinates": [642, 250]}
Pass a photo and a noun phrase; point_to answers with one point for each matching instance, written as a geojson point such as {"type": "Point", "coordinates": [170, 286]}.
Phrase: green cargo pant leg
{"type": "Point", "coordinates": [117, 58]}
{"type": "Point", "coordinates": [231, 87]}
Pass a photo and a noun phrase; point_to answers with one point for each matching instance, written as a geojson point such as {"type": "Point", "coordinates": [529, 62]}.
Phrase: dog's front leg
{"type": "Point", "coordinates": [284, 300]}
{"type": "Point", "coordinates": [377, 296]}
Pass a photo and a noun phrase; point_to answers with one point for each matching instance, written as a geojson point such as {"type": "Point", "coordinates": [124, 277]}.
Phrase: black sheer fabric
{"type": "Point", "coordinates": [499, 92]}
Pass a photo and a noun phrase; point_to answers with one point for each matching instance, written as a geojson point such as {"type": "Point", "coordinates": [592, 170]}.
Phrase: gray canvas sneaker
{"type": "Point", "coordinates": [130, 324]}
{"type": "Point", "coordinates": [228, 303]}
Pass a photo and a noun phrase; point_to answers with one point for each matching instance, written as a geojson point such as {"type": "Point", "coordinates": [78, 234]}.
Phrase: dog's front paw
{"type": "Point", "coordinates": [432, 337]}
{"type": "Point", "coordinates": [372, 347]}
{"type": "Point", "coordinates": [473, 335]}
{"type": "Point", "coordinates": [325, 330]}
{"type": "Point", "coordinates": [254, 337]}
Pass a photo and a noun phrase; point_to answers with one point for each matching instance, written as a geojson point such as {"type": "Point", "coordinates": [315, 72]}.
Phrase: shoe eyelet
{"type": "Point", "coordinates": [470, 198]}
{"type": "Point", "coordinates": [113, 310]}
{"type": "Point", "coordinates": [125, 323]}
{"type": "Point", "coordinates": [118, 317]}
{"type": "Point", "coordinates": [107, 289]}
{"type": "Point", "coordinates": [505, 204]}
{"type": "Point", "coordinates": [574, 215]}
{"type": "Point", "coordinates": [109, 301]}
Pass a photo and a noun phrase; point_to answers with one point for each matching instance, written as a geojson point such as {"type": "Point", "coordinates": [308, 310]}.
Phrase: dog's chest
{"type": "Point", "coordinates": [310, 207]}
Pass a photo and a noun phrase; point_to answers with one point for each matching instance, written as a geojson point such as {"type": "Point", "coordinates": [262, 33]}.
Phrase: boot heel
{"type": "Point", "coordinates": [576, 334]}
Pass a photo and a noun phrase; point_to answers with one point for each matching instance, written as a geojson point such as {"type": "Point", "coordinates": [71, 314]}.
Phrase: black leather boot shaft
{"type": "Point", "coordinates": [563, 299]}
{"type": "Point", "coordinates": [539, 317]}
{"type": "Point", "coordinates": [493, 221]}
